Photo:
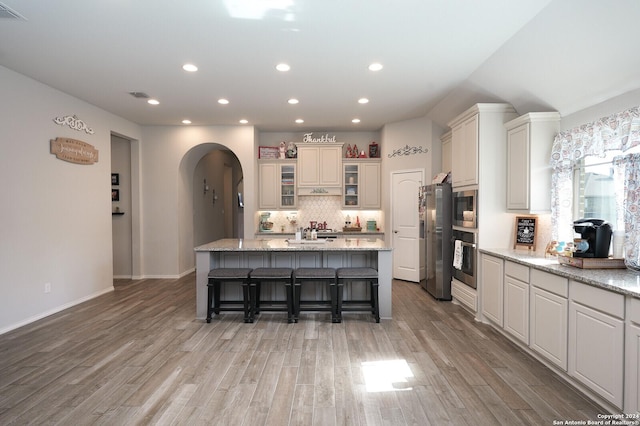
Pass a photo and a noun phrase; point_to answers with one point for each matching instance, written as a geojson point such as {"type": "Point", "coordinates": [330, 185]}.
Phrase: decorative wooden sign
{"type": "Point", "coordinates": [74, 151]}
{"type": "Point", "coordinates": [526, 228]}
{"type": "Point", "coordinates": [308, 138]}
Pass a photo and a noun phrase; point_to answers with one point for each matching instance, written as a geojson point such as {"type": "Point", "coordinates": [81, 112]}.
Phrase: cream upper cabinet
{"type": "Point", "coordinates": [361, 184]}
{"type": "Point", "coordinates": [446, 152]}
{"type": "Point", "coordinates": [464, 160]}
{"type": "Point", "coordinates": [277, 185]}
{"type": "Point", "coordinates": [529, 141]}
{"type": "Point", "coordinates": [319, 165]}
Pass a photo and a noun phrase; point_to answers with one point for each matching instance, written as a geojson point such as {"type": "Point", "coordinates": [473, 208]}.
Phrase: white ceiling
{"type": "Point", "coordinates": [438, 55]}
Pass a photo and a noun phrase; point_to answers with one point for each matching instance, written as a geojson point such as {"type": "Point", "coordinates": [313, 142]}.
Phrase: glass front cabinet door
{"type": "Point", "coordinates": [288, 186]}
{"type": "Point", "coordinates": [351, 195]}
{"type": "Point", "coordinates": [361, 184]}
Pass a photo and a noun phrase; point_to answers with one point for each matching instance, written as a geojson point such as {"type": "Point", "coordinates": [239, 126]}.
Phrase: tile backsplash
{"type": "Point", "coordinates": [321, 209]}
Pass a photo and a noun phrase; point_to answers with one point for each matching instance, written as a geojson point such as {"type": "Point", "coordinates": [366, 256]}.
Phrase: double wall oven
{"type": "Point", "coordinates": [465, 223]}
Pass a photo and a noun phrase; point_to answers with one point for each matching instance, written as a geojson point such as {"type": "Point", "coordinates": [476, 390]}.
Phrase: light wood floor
{"type": "Point", "coordinates": [138, 356]}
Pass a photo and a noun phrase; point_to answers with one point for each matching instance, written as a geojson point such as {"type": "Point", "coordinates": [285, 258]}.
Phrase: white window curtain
{"type": "Point", "coordinates": [619, 131]}
{"type": "Point", "coordinates": [627, 169]}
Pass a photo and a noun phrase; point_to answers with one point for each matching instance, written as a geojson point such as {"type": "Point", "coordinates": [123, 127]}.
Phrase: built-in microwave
{"type": "Point", "coordinates": [465, 209]}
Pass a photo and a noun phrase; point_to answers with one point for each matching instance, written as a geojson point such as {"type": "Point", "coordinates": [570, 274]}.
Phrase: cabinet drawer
{"type": "Point", "coordinates": [634, 310]}
{"type": "Point", "coordinates": [517, 271]}
{"type": "Point", "coordinates": [604, 301]}
{"type": "Point", "coordinates": [552, 283]}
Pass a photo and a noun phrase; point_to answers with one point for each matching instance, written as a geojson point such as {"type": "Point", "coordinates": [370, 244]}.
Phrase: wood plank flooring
{"type": "Point", "coordinates": [138, 356]}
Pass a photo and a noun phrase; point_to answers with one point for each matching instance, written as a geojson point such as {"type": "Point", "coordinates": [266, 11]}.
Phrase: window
{"type": "Point", "coordinates": [596, 189]}
{"type": "Point", "coordinates": [596, 167]}
{"type": "Point", "coordinates": [595, 192]}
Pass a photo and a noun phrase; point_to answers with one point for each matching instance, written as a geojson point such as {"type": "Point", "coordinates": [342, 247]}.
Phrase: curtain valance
{"type": "Point", "coordinates": [620, 131]}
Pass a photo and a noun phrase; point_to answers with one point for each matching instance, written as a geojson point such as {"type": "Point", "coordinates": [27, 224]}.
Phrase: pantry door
{"type": "Point", "coordinates": [405, 224]}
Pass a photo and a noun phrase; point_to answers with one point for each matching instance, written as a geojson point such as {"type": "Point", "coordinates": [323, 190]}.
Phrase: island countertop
{"type": "Point", "coordinates": [279, 244]}
{"type": "Point", "coordinates": [279, 252]}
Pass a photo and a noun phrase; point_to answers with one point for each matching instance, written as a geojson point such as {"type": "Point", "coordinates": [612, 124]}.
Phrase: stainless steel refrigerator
{"type": "Point", "coordinates": [438, 249]}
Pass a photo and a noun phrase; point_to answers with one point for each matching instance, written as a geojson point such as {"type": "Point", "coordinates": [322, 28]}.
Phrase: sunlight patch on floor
{"type": "Point", "coordinates": [386, 376]}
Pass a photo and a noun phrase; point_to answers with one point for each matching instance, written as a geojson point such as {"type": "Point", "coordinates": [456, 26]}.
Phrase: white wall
{"type": "Point", "coordinates": [416, 133]}
{"type": "Point", "coordinates": [169, 157]}
{"type": "Point", "coordinates": [604, 109]}
{"type": "Point", "coordinates": [55, 221]}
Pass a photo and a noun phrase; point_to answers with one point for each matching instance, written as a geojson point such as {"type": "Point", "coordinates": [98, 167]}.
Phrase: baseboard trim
{"type": "Point", "coordinates": [54, 310]}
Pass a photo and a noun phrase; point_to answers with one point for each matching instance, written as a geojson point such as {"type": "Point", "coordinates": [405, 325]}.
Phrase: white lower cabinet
{"type": "Point", "coordinates": [596, 340]}
{"type": "Point", "coordinates": [632, 358]}
{"type": "Point", "coordinates": [516, 300]}
{"type": "Point", "coordinates": [548, 316]}
{"type": "Point", "coordinates": [491, 277]}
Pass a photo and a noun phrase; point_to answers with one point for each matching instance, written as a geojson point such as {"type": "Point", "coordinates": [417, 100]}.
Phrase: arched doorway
{"type": "Point", "coordinates": [210, 178]}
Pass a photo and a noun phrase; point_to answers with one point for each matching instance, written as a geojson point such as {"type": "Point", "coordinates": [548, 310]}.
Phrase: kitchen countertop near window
{"type": "Point", "coordinates": [623, 281]}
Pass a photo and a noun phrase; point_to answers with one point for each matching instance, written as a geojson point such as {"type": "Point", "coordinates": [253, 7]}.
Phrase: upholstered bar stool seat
{"type": "Point", "coordinates": [260, 275]}
{"type": "Point", "coordinates": [215, 279]}
{"type": "Point", "coordinates": [345, 275]}
{"type": "Point", "coordinates": [302, 275]}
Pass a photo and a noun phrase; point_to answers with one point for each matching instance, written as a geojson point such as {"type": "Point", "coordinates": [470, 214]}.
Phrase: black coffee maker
{"type": "Point", "coordinates": [596, 238]}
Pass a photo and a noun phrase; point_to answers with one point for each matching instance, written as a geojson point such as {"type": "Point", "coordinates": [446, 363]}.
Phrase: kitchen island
{"type": "Point", "coordinates": [334, 253]}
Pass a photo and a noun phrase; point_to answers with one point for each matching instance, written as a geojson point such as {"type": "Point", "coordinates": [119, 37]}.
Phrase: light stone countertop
{"type": "Point", "coordinates": [280, 244]}
{"type": "Point", "coordinates": [623, 281]}
{"type": "Point", "coordinates": [354, 234]}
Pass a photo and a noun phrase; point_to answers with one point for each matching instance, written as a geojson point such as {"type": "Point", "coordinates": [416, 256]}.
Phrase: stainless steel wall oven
{"type": "Point", "coordinates": [467, 272]}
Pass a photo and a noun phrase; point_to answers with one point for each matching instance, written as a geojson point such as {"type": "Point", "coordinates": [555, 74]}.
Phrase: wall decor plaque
{"type": "Point", "coordinates": [525, 232]}
{"type": "Point", "coordinates": [74, 123]}
{"type": "Point", "coordinates": [74, 151]}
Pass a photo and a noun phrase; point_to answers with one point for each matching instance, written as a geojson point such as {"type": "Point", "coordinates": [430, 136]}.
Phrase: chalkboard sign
{"type": "Point", "coordinates": [526, 232]}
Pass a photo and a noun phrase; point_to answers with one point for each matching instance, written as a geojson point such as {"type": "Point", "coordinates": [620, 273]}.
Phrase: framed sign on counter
{"type": "Point", "coordinates": [525, 232]}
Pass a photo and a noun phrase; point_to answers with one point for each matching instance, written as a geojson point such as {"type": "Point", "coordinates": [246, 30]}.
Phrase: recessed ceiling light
{"type": "Point", "coordinates": [283, 67]}
{"type": "Point", "coordinates": [355, 120]}
{"type": "Point", "coordinates": [223, 101]}
{"type": "Point", "coordinates": [376, 66]}
{"type": "Point", "coordinates": [299, 121]}
{"type": "Point", "coordinates": [243, 121]}
{"type": "Point", "coordinates": [153, 101]}
{"type": "Point", "coordinates": [190, 68]}
{"type": "Point", "coordinates": [186, 121]}
{"type": "Point", "coordinates": [363, 101]}
{"type": "Point", "coordinates": [293, 101]}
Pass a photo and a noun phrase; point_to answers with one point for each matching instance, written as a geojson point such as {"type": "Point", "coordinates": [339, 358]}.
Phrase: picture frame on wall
{"type": "Point", "coordinates": [115, 178]}
{"type": "Point", "coordinates": [115, 194]}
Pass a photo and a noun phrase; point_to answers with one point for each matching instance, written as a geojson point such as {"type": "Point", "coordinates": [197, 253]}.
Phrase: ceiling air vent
{"type": "Point", "coordinates": [139, 95]}
{"type": "Point", "coordinates": [7, 13]}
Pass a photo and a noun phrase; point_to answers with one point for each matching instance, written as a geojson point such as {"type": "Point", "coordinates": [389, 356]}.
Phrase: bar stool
{"type": "Point", "coordinates": [260, 275]}
{"type": "Point", "coordinates": [302, 275]}
{"type": "Point", "coordinates": [219, 275]}
{"type": "Point", "coordinates": [345, 275]}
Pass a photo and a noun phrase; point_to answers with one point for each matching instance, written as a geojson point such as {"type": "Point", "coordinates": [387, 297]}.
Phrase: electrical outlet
{"type": "Point", "coordinates": [47, 287]}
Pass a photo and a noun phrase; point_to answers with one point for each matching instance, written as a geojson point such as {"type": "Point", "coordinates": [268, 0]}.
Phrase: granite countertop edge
{"type": "Point", "coordinates": [281, 244]}
{"type": "Point", "coordinates": [623, 281]}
